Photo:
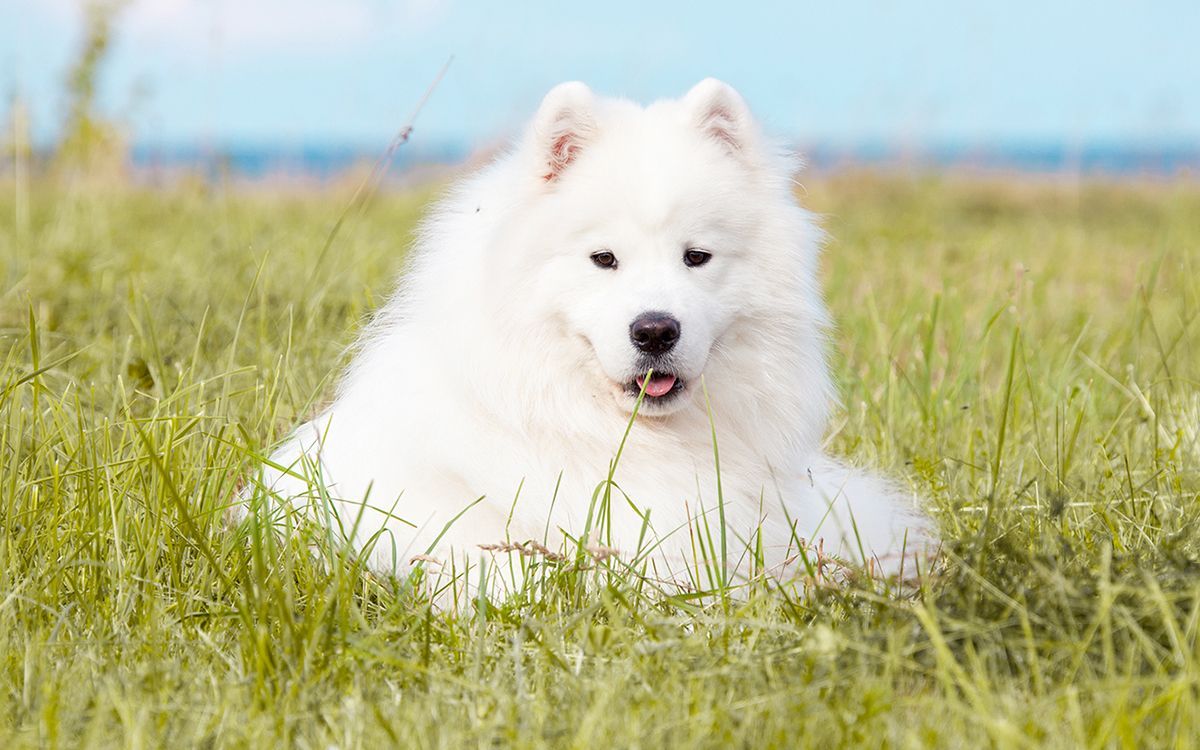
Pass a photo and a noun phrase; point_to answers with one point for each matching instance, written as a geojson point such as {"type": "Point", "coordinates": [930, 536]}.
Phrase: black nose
{"type": "Point", "coordinates": [654, 332]}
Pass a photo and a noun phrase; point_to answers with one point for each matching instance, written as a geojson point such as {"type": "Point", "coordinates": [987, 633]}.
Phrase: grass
{"type": "Point", "coordinates": [1025, 354]}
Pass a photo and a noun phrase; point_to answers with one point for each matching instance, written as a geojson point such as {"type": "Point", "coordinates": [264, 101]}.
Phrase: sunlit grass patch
{"type": "Point", "coordinates": [1024, 355]}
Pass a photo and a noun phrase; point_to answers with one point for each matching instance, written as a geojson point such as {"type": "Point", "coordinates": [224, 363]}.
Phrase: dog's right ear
{"type": "Point", "coordinates": [721, 114]}
{"type": "Point", "coordinates": [563, 125]}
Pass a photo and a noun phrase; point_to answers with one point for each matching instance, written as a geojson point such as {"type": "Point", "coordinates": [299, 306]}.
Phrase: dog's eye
{"type": "Point", "coordinates": [693, 257]}
{"type": "Point", "coordinates": [604, 259]}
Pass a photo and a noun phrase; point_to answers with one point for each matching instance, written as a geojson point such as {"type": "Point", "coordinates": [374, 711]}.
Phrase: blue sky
{"type": "Point", "coordinates": [295, 71]}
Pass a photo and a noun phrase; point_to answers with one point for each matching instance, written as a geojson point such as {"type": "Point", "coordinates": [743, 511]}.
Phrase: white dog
{"type": "Point", "coordinates": [616, 253]}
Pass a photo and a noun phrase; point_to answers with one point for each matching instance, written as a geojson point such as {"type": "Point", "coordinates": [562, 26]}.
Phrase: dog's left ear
{"type": "Point", "coordinates": [721, 113]}
{"type": "Point", "coordinates": [563, 126]}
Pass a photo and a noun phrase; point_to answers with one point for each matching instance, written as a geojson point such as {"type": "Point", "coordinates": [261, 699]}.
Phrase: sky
{"type": "Point", "coordinates": [900, 73]}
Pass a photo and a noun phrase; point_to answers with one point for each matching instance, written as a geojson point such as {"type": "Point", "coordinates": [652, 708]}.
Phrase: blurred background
{"type": "Point", "coordinates": [305, 89]}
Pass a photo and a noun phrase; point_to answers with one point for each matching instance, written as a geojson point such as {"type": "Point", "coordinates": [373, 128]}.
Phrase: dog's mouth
{"type": "Point", "coordinates": [659, 387]}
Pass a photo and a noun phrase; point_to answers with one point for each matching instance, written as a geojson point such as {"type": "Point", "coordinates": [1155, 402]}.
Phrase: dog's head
{"type": "Point", "coordinates": [649, 231]}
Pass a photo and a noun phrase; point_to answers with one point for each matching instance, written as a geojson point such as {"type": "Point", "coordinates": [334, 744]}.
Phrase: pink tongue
{"type": "Point", "coordinates": [659, 385]}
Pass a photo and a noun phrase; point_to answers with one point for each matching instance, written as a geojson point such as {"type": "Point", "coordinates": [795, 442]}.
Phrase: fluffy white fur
{"type": "Point", "coordinates": [504, 363]}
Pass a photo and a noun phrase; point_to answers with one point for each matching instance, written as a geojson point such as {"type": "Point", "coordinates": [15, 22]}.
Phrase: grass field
{"type": "Point", "coordinates": [1025, 354]}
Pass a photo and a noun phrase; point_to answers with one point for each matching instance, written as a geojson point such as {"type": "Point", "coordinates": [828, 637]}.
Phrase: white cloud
{"type": "Point", "coordinates": [259, 26]}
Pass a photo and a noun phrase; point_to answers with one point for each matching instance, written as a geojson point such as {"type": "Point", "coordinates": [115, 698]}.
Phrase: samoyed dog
{"type": "Point", "coordinates": [611, 337]}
